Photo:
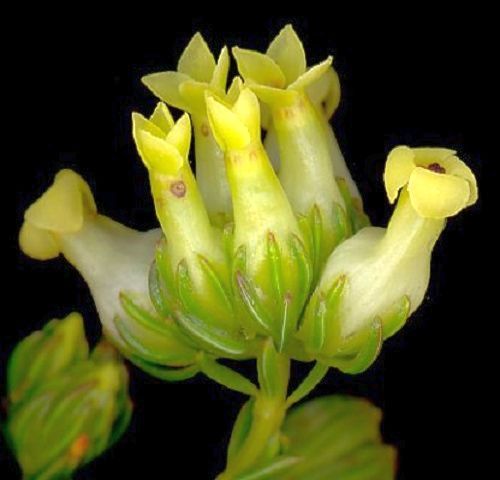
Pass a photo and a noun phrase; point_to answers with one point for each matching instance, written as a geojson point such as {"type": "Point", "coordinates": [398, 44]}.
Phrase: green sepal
{"type": "Point", "coordinates": [218, 342]}
{"type": "Point", "coordinates": [241, 429]}
{"type": "Point", "coordinates": [320, 327]}
{"type": "Point", "coordinates": [255, 316]}
{"type": "Point", "coordinates": [158, 293]}
{"type": "Point", "coordinates": [170, 374]}
{"type": "Point", "coordinates": [354, 208]}
{"type": "Point", "coordinates": [323, 235]}
{"type": "Point", "coordinates": [213, 304]}
{"type": "Point", "coordinates": [153, 339]}
{"type": "Point", "coordinates": [395, 318]}
{"type": "Point", "coordinates": [273, 371]}
{"type": "Point", "coordinates": [371, 344]}
{"type": "Point", "coordinates": [226, 376]}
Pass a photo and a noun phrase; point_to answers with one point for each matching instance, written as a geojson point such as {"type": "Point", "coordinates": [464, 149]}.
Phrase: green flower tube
{"type": "Point", "coordinates": [374, 281]}
{"type": "Point", "coordinates": [280, 78]}
{"type": "Point", "coordinates": [271, 270]}
{"type": "Point", "coordinates": [198, 73]}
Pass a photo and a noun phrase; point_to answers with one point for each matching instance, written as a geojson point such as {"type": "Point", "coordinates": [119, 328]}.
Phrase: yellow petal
{"type": "Point", "coordinates": [247, 109]}
{"type": "Point", "coordinates": [455, 166]}
{"type": "Point", "coordinates": [274, 96]}
{"type": "Point", "coordinates": [63, 206]}
{"type": "Point", "coordinates": [219, 78]}
{"type": "Point", "coordinates": [162, 118]}
{"type": "Point", "coordinates": [229, 131]}
{"type": "Point", "coordinates": [234, 90]}
{"type": "Point", "coordinates": [437, 195]}
{"type": "Point", "coordinates": [180, 136]}
{"type": "Point", "coordinates": [398, 168]}
{"type": "Point", "coordinates": [258, 68]}
{"type": "Point", "coordinates": [312, 75]}
{"type": "Point", "coordinates": [197, 60]}
{"type": "Point", "coordinates": [288, 52]}
{"type": "Point", "coordinates": [38, 244]}
{"type": "Point", "coordinates": [157, 154]}
{"type": "Point", "coordinates": [427, 156]}
{"type": "Point", "coordinates": [165, 85]}
{"type": "Point", "coordinates": [194, 93]}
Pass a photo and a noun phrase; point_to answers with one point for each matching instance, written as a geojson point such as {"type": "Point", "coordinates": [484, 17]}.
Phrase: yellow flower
{"type": "Point", "coordinates": [439, 184]}
{"type": "Point", "coordinates": [282, 70]}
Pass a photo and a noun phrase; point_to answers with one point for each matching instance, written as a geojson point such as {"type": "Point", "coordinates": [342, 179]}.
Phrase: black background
{"type": "Point", "coordinates": [413, 77]}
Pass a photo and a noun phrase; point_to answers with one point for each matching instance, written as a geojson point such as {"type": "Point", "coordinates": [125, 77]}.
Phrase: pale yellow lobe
{"type": "Point", "coordinates": [247, 109]}
{"type": "Point", "coordinates": [38, 244]}
{"type": "Point", "coordinates": [229, 131]}
{"type": "Point", "coordinates": [165, 85]}
{"type": "Point", "coordinates": [197, 60]}
{"type": "Point", "coordinates": [426, 156]}
{"type": "Point", "coordinates": [288, 52]}
{"type": "Point", "coordinates": [437, 195]}
{"type": "Point", "coordinates": [162, 118]}
{"type": "Point", "coordinates": [275, 96]}
{"type": "Point", "coordinates": [398, 168]}
{"type": "Point", "coordinates": [157, 154]}
{"type": "Point", "coordinates": [312, 75]}
{"type": "Point", "coordinates": [326, 93]}
{"type": "Point", "coordinates": [219, 78]}
{"type": "Point", "coordinates": [63, 206]}
{"type": "Point", "coordinates": [234, 90]}
{"type": "Point", "coordinates": [258, 68]}
{"type": "Point", "coordinates": [180, 135]}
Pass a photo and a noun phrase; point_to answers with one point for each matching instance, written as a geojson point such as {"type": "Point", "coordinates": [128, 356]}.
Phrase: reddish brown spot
{"type": "Point", "coordinates": [178, 189]}
{"type": "Point", "coordinates": [205, 131]}
{"type": "Point", "coordinates": [79, 447]}
{"type": "Point", "coordinates": [253, 155]}
{"type": "Point", "coordinates": [436, 168]}
{"type": "Point", "coordinates": [288, 298]}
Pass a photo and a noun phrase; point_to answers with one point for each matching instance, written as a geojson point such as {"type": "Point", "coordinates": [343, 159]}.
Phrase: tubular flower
{"type": "Point", "coordinates": [325, 95]}
{"type": "Point", "coordinates": [271, 270]}
{"type": "Point", "coordinates": [191, 277]}
{"type": "Point", "coordinates": [72, 411]}
{"type": "Point", "coordinates": [114, 261]}
{"type": "Point", "coordinates": [280, 79]}
{"type": "Point", "coordinates": [198, 73]}
{"type": "Point", "coordinates": [374, 281]}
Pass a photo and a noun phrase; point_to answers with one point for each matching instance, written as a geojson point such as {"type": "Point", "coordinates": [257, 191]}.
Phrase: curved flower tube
{"type": "Point", "coordinates": [114, 261]}
{"type": "Point", "coordinates": [374, 281]}
{"type": "Point", "coordinates": [198, 73]}
{"type": "Point", "coordinates": [280, 79]}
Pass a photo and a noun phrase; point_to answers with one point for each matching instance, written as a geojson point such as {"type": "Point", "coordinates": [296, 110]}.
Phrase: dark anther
{"type": "Point", "coordinates": [435, 167]}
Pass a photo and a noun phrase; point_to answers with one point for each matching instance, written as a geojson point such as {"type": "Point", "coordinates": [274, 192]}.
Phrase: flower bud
{"type": "Point", "coordinates": [114, 261]}
{"type": "Point", "coordinates": [374, 281]}
{"type": "Point", "coordinates": [271, 270]}
{"type": "Point", "coordinates": [43, 354]}
{"type": "Point", "coordinates": [185, 89]}
{"type": "Point", "coordinates": [70, 418]}
{"type": "Point", "coordinates": [280, 79]}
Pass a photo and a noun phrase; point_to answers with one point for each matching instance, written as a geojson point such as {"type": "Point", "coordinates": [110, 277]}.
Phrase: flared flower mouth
{"type": "Point", "coordinates": [60, 210]}
{"type": "Point", "coordinates": [439, 184]}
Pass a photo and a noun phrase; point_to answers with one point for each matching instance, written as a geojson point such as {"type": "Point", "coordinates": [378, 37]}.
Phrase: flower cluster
{"type": "Point", "coordinates": [268, 239]}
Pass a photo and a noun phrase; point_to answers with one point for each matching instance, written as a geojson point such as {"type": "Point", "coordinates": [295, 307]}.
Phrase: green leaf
{"type": "Point", "coordinates": [270, 470]}
{"type": "Point", "coordinates": [336, 437]}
